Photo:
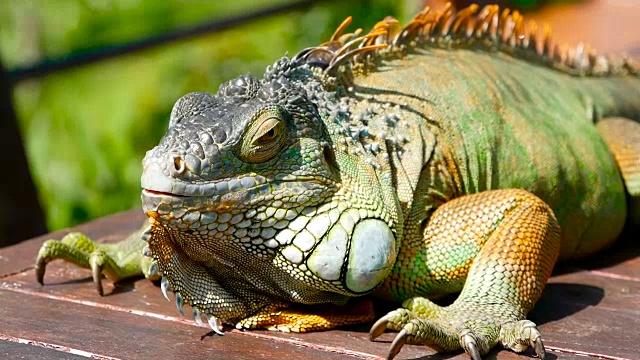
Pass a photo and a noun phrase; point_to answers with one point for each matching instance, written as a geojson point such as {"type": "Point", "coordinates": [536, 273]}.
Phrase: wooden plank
{"type": "Point", "coordinates": [105, 332]}
{"type": "Point", "coordinates": [15, 350]}
{"type": "Point", "coordinates": [601, 315]}
{"type": "Point", "coordinates": [591, 314]}
{"type": "Point", "coordinates": [342, 342]}
{"type": "Point", "coordinates": [591, 299]}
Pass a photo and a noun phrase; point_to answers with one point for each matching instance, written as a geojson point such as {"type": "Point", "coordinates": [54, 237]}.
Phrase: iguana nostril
{"type": "Point", "coordinates": [178, 164]}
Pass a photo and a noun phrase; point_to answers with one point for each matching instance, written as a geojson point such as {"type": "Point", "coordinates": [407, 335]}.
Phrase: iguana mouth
{"type": "Point", "coordinates": [163, 193]}
{"type": "Point", "coordinates": [155, 182]}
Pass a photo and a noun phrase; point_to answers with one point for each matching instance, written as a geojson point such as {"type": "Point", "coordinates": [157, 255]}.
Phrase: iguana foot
{"type": "Point", "coordinates": [472, 327]}
{"type": "Point", "coordinates": [116, 261]}
{"type": "Point", "coordinates": [321, 317]}
{"type": "Point", "coordinates": [520, 335]}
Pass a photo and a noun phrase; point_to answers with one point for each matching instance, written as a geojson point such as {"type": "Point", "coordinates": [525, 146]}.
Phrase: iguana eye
{"type": "Point", "coordinates": [263, 139]}
{"type": "Point", "coordinates": [271, 130]}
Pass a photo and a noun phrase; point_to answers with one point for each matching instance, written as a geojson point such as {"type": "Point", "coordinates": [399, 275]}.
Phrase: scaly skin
{"type": "Point", "coordinates": [464, 162]}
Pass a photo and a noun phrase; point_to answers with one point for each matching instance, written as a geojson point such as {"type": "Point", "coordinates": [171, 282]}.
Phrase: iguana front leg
{"type": "Point", "coordinates": [518, 239]}
{"type": "Point", "coordinates": [117, 261]}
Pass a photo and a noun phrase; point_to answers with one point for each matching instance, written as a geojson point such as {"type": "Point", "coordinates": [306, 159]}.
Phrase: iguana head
{"type": "Point", "coordinates": [252, 205]}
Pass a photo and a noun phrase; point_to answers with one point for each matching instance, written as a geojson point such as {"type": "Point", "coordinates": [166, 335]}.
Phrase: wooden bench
{"type": "Point", "coordinates": [590, 310]}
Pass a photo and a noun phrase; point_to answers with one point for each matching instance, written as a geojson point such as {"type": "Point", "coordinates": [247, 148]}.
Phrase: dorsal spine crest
{"type": "Point", "coordinates": [489, 28]}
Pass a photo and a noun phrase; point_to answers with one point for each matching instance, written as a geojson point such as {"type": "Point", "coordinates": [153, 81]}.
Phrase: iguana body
{"type": "Point", "coordinates": [440, 164]}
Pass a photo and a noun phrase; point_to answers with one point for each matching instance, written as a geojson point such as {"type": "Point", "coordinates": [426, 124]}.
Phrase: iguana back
{"type": "Point", "coordinates": [500, 122]}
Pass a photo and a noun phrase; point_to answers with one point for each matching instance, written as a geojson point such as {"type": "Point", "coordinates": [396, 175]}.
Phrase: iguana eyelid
{"type": "Point", "coordinates": [258, 144]}
{"type": "Point", "coordinates": [262, 135]}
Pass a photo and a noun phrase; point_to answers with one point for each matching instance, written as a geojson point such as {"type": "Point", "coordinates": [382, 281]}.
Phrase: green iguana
{"type": "Point", "coordinates": [459, 153]}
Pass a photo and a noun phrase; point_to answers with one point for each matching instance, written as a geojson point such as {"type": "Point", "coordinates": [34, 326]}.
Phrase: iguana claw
{"type": "Point", "coordinates": [378, 328]}
{"type": "Point", "coordinates": [473, 351]}
{"type": "Point", "coordinates": [179, 303]}
{"type": "Point", "coordinates": [539, 349]}
{"type": "Point", "coordinates": [40, 268]}
{"type": "Point", "coordinates": [197, 317]}
{"type": "Point", "coordinates": [146, 233]}
{"type": "Point", "coordinates": [468, 342]}
{"type": "Point", "coordinates": [96, 273]}
{"type": "Point", "coordinates": [213, 322]}
{"type": "Point", "coordinates": [398, 343]}
{"type": "Point", "coordinates": [164, 286]}
{"type": "Point", "coordinates": [153, 269]}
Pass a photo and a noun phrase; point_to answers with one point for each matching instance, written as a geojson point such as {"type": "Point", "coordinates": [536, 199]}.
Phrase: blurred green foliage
{"type": "Point", "coordinates": [87, 129]}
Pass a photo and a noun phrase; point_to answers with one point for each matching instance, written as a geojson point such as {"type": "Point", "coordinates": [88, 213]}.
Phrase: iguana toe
{"type": "Point", "coordinates": [520, 335]}
{"type": "Point", "coordinates": [539, 349]}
